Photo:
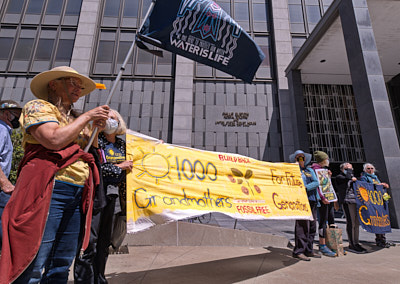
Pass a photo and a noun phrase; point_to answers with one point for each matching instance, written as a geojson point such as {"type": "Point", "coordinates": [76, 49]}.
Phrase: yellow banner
{"type": "Point", "coordinates": [170, 182]}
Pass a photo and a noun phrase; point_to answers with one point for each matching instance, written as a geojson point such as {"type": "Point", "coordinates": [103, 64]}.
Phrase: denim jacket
{"type": "Point", "coordinates": [311, 183]}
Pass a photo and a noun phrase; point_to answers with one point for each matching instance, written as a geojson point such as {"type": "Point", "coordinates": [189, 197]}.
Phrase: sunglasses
{"type": "Point", "coordinates": [370, 169]}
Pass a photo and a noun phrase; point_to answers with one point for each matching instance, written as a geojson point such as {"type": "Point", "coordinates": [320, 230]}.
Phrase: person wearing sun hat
{"type": "Point", "coordinates": [9, 115]}
{"type": "Point", "coordinates": [305, 229]}
{"type": "Point", "coordinates": [56, 181]}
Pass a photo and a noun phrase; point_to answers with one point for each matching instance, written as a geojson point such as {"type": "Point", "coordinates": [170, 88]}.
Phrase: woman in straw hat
{"type": "Point", "coordinates": [56, 181]}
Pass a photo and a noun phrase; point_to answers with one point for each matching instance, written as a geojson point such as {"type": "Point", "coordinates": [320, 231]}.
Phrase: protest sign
{"type": "Point", "coordinates": [325, 184]}
{"type": "Point", "coordinates": [372, 210]}
{"type": "Point", "coordinates": [170, 182]}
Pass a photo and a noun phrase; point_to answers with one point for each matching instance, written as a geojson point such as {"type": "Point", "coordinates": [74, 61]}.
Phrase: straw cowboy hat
{"type": "Point", "coordinates": [40, 81]}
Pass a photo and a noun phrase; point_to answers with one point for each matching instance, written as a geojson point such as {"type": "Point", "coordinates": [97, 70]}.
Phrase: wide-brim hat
{"type": "Point", "coordinates": [9, 104]}
{"type": "Point", "coordinates": [307, 157]}
{"type": "Point", "coordinates": [40, 81]}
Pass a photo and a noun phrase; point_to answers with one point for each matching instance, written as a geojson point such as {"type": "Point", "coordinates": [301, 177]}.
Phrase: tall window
{"type": "Point", "coordinates": [37, 35]}
{"type": "Point", "coordinates": [144, 95]}
{"type": "Point", "coordinates": [304, 15]}
{"type": "Point", "coordinates": [218, 98]}
{"type": "Point", "coordinates": [119, 22]}
{"type": "Point", "coordinates": [332, 122]}
{"type": "Point", "coordinates": [252, 16]}
{"type": "Point", "coordinates": [296, 16]}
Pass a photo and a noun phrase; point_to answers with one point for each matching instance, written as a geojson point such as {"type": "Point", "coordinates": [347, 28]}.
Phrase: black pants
{"type": "Point", "coordinates": [90, 267]}
{"type": "Point", "coordinates": [304, 232]}
{"type": "Point", "coordinates": [352, 223]}
{"type": "Point", "coordinates": [326, 214]}
{"type": "Point", "coordinates": [380, 239]}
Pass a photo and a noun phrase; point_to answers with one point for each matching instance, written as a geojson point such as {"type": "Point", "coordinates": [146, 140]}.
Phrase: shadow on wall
{"type": "Point", "coordinates": [220, 271]}
{"type": "Point", "coordinates": [273, 146]}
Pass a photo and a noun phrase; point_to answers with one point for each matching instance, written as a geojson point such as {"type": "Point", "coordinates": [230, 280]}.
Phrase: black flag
{"type": "Point", "coordinates": [200, 30]}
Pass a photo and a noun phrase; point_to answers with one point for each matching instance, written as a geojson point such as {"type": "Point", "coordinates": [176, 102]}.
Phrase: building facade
{"type": "Point", "coordinates": [171, 98]}
{"type": "Point", "coordinates": [183, 102]}
{"type": "Point", "coordinates": [349, 66]}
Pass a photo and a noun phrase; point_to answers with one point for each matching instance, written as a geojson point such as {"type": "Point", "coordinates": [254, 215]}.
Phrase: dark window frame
{"type": "Point", "coordinates": [307, 30]}
{"type": "Point", "coordinates": [40, 27]}
{"type": "Point", "coordinates": [219, 75]}
{"type": "Point", "coordinates": [119, 29]}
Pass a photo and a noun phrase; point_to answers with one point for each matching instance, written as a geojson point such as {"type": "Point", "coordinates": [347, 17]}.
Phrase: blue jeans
{"type": "Point", "coordinates": [4, 197]}
{"type": "Point", "coordinates": [60, 239]}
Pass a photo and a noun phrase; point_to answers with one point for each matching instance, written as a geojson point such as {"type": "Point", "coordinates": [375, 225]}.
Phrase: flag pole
{"type": "Point", "coordinates": [121, 71]}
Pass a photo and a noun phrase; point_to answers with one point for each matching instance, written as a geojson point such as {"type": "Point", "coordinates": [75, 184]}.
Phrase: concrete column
{"type": "Point", "coordinates": [183, 102]}
{"type": "Point", "coordinates": [297, 112]}
{"type": "Point", "coordinates": [284, 54]}
{"type": "Point", "coordinates": [84, 45]}
{"type": "Point", "coordinates": [283, 40]}
{"type": "Point", "coordinates": [375, 115]}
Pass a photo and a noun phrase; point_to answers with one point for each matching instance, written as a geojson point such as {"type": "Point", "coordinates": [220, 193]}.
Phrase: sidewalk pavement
{"type": "Point", "coordinates": [286, 228]}
{"type": "Point", "coordinates": [201, 264]}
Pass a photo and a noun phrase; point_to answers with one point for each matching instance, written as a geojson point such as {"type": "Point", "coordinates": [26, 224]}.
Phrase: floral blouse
{"type": "Point", "coordinates": [38, 112]}
{"type": "Point", "coordinates": [114, 153]}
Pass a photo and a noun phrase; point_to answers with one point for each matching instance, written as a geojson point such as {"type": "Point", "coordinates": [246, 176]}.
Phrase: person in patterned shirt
{"type": "Point", "coordinates": [55, 182]}
{"type": "Point", "coordinates": [108, 225]}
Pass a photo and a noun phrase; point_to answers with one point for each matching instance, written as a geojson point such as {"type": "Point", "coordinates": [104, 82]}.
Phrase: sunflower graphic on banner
{"type": "Point", "coordinates": [170, 182]}
{"type": "Point", "coordinates": [372, 209]}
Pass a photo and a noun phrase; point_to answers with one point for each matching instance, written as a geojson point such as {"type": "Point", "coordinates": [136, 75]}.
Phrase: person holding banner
{"type": "Point", "coordinates": [305, 229]}
{"type": "Point", "coordinates": [345, 182]}
{"type": "Point", "coordinates": [368, 175]}
{"type": "Point", "coordinates": [325, 209]}
{"type": "Point", "coordinates": [56, 181]}
{"type": "Point", "coordinates": [109, 224]}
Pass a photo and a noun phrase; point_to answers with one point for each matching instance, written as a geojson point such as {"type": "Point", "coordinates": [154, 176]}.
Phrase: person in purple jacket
{"type": "Point", "coordinates": [325, 209]}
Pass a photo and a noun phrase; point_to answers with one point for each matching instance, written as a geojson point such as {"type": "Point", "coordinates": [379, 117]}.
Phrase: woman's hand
{"type": "Point", "coordinates": [385, 185]}
{"type": "Point", "coordinates": [100, 124]}
{"type": "Point", "coordinates": [98, 113]}
{"type": "Point", "coordinates": [325, 201]}
{"type": "Point", "coordinates": [125, 165]}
